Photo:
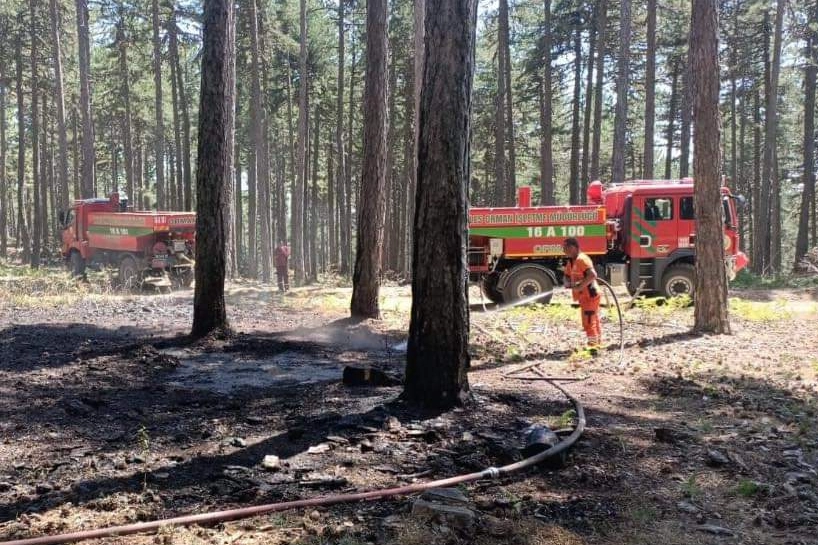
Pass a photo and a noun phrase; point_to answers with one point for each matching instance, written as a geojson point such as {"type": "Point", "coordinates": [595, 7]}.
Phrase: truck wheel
{"type": "Point", "coordinates": [679, 279]}
{"type": "Point", "coordinates": [527, 282]}
{"type": "Point", "coordinates": [76, 264]}
{"type": "Point", "coordinates": [128, 275]}
{"type": "Point", "coordinates": [489, 287]}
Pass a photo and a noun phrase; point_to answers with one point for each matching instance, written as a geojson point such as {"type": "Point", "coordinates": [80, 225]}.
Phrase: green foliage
{"type": "Point", "coordinates": [691, 488]}
{"type": "Point", "coordinates": [757, 311]}
{"type": "Point", "coordinates": [747, 488]}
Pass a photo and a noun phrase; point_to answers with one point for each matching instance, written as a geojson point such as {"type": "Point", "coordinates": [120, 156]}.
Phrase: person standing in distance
{"type": "Point", "coordinates": [281, 259]}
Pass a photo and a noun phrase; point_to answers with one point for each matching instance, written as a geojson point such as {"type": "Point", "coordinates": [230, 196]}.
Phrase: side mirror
{"type": "Point", "coordinates": [61, 217]}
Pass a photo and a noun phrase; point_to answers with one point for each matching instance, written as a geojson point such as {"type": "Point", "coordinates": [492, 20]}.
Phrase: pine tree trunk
{"type": "Point", "coordinates": [589, 91]}
{"type": "Point", "coordinates": [503, 197]}
{"type": "Point", "coordinates": [768, 216]}
{"type": "Point", "coordinates": [258, 127]}
{"type": "Point", "coordinates": [59, 99]}
{"type": "Point", "coordinates": [231, 265]}
{"type": "Point", "coordinates": [4, 181]}
{"type": "Point", "coordinates": [183, 110]}
{"type": "Point", "coordinates": [686, 121]}
{"type": "Point", "coordinates": [159, 129]}
{"type": "Point", "coordinates": [601, 25]}
{"type": "Point", "coordinates": [808, 176]}
{"type": "Point", "coordinates": [621, 112]}
{"type": "Point", "coordinates": [437, 356]}
{"type": "Point", "coordinates": [650, 91]}
{"type": "Point", "coordinates": [238, 213]}
{"type": "Point", "coordinates": [37, 226]}
{"type": "Point", "coordinates": [671, 118]}
{"type": "Point", "coordinates": [75, 145]}
{"type": "Point", "coordinates": [419, 49]}
{"type": "Point", "coordinates": [314, 204]}
{"type": "Point", "coordinates": [711, 280]}
{"type": "Point", "coordinates": [371, 208]}
{"type": "Point", "coordinates": [505, 36]}
{"type": "Point", "coordinates": [209, 309]}
{"type": "Point", "coordinates": [176, 163]}
{"type": "Point", "coordinates": [546, 121]}
{"type": "Point", "coordinates": [23, 239]}
{"type": "Point", "coordinates": [573, 182]}
{"type": "Point", "coordinates": [757, 262]}
{"type": "Point", "coordinates": [252, 216]}
{"type": "Point", "coordinates": [297, 229]}
{"type": "Point", "coordinates": [87, 182]}
{"type": "Point", "coordinates": [340, 150]}
{"type": "Point", "coordinates": [125, 91]}
{"type": "Point", "coordinates": [734, 97]}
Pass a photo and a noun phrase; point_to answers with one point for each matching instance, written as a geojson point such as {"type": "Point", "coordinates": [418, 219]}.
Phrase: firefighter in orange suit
{"type": "Point", "coordinates": [580, 276]}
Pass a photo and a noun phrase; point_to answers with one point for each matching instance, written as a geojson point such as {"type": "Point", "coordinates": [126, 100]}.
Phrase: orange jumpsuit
{"type": "Point", "coordinates": [588, 298]}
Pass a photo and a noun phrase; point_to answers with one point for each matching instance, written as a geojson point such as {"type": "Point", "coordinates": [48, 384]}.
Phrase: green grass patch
{"type": "Point", "coordinates": [747, 488]}
{"type": "Point", "coordinates": [759, 311]}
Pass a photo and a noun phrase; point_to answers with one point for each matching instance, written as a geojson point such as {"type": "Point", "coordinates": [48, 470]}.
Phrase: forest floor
{"type": "Point", "coordinates": [108, 416]}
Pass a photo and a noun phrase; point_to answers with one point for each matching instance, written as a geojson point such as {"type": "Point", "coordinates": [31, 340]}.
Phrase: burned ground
{"type": "Point", "coordinates": [109, 416]}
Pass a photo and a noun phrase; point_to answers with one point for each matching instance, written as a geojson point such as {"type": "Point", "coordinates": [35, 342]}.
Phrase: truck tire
{"type": "Point", "coordinates": [526, 282]}
{"type": "Point", "coordinates": [489, 287]}
{"type": "Point", "coordinates": [76, 264]}
{"type": "Point", "coordinates": [679, 279]}
{"type": "Point", "coordinates": [128, 274]}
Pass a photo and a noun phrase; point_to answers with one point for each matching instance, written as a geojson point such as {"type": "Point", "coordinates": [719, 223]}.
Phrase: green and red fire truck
{"type": "Point", "coordinates": [152, 247]}
{"type": "Point", "coordinates": [640, 234]}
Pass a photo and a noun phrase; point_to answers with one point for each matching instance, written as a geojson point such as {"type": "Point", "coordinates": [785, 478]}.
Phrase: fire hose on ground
{"type": "Point", "coordinates": [246, 512]}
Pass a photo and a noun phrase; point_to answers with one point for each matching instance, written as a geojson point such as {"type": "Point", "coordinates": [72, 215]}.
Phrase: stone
{"type": "Point", "coordinates": [715, 530]}
{"type": "Point", "coordinates": [392, 424]}
{"type": "Point", "coordinates": [366, 445]}
{"type": "Point", "coordinates": [318, 449]}
{"type": "Point", "coordinates": [238, 442]}
{"type": "Point", "coordinates": [687, 507]}
{"type": "Point", "coordinates": [271, 462]}
{"type": "Point", "coordinates": [461, 518]}
{"type": "Point", "coordinates": [717, 458]}
{"type": "Point", "coordinates": [445, 495]}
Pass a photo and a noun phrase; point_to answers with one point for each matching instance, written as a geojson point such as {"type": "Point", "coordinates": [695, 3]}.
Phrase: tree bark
{"type": "Point", "coordinates": [671, 118]}
{"type": "Point", "coordinates": [339, 148]}
{"type": "Point", "coordinates": [297, 213]}
{"type": "Point", "coordinates": [770, 128]}
{"type": "Point", "coordinates": [546, 117]}
{"type": "Point", "coordinates": [125, 91]}
{"type": "Point", "coordinates": [176, 162]}
{"type": "Point", "coordinates": [159, 128]}
{"type": "Point", "coordinates": [4, 181]}
{"type": "Point", "coordinates": [437, 355]}
{"type": "Point", "coordinates": [23, 239]}
{"type": "Point", "coordinates": [258, 127]}
{"type": "Point", "coordinates": [503, 195]}
{"type": "Point", "coordinates": [173, 50]}
{"type": "Point", "coordinates": [711, 280]}
{"type": "Point", "coordinates": [621, 112]}
{"type": "Point", "coordinates": [59, 99]}
{"type": "Point", "coordinates": [573, 182]}
{"type": "Point", "coordinates": [209, 309]}
{"type": "Point", "coordinates": [37, 226]}
{"type": "Point", "coordinates": [87, 182]}
{"type": "Point", "coordinates": [808, 177]}
{"type": "Point", "coordinates": [505, 37]}
{"type": "Point", "coordinates": [231, 264]}
{"type": "Point", "coordinates": [419, 39]}
{"type": "Point", "coordinates": [602, 23]}
{"type": "Point", "coordinates": [589, 91]}
{"type": "Point", "coordinates": [650, 91]}
{"type": "Point", "coordinates": [686, 120]}
{"type": "Point", "coordinates": [371, 208]}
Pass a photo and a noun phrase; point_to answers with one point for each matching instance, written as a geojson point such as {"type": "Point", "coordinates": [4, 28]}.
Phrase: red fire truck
{"type": "Point", "coordinates": [151, 247]}
{"type": "Point", "coordinates": [640, 234]}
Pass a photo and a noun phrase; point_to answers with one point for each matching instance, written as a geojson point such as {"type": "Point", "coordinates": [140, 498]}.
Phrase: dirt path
{"type": "Point", "coordinates": [107, 417]}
